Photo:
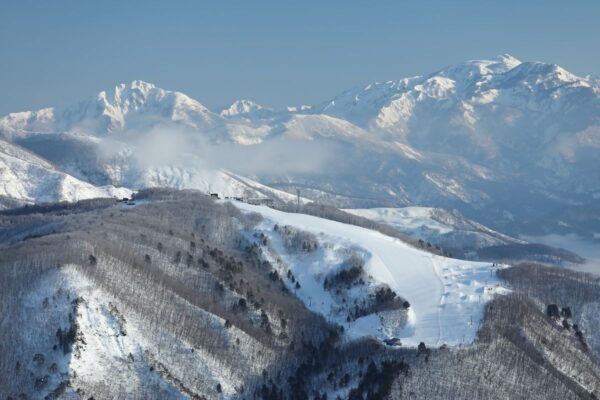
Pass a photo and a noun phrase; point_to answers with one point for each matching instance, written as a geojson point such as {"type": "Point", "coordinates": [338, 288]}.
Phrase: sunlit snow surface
{"type": "Point", "coordinates": [26, 177]}
{"type": "Point", "coordinates": [447, 296]}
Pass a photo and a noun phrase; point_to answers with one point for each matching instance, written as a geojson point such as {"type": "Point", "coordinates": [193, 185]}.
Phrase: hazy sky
{"type": "Point", "coordinates": [274, 52]}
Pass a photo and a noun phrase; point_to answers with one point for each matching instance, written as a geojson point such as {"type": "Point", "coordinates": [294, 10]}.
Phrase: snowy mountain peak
{"type": "Point", "coordinates": [137, 95]}
{"type": "Point", "coordinates": [545, 75]}
{"type": "Point", "coordinates": [476, 69]}
{"type": "Point", "coordinates": [507, 60]}
{"type": "Point", "coordinates": [142, 85]}
{"type": "Point", "coordinates": [126, 92]}
{"type": "Point", "coordinates": [241, 108]}
{"type": "Point", "coordinates": [506, 57]}
{"type": "Point", "coordinates": [460, 94]}
{"type": "Point", "coordinates": [134, 105]}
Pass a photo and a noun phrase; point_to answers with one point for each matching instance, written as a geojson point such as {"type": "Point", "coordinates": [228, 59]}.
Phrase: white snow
{"type": "Point", "coordinates": [447, 296]}
{"type": "Point", "coordinates": [436, 225]}
{"type": "Point", "coordinates": [406, 217]}
{"type": "Point", "coordinates": [106, 351]}
{"type": "Point", "coordinates": [28, 178]}
{"type": "Point", "coordinates": [244, 108]}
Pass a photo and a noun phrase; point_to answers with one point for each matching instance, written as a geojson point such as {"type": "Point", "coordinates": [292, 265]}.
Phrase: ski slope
{"type": "Point", "coordinates": [447, 296]}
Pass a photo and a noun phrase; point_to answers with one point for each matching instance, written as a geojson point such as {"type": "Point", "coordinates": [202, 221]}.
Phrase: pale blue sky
{"type": "Point", "coordinates": [274, 52]}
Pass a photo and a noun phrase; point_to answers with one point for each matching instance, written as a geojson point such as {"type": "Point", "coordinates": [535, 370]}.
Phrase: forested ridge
{"type": "Point", "coordinates": [174, 297]}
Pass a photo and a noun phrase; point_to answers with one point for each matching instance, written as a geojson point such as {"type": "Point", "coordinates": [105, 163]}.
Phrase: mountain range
{"type": "Point", "coordinates": [509, 143]}
{"type": "Point", "coordinates": [422, 287]}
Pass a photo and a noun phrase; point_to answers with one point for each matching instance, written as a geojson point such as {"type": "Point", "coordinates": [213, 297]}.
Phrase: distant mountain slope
{"type": "Point", "coordinates": [512, 144]}
{"type": "Point", "coordinates": [462, 237]}
{"type": "Point", "coordinates": [137, 164]}
{"type": "Point", "coordinates": [485, 105]}
{"type": "Point", "coordinates": [136, 105]}
{"type": "Point", "coordinates": [27, 178]}
{"type": "Point", "coordinates": [448, 229]}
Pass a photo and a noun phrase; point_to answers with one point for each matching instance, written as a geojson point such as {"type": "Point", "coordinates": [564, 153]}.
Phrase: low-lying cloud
{"type": "Point", "coordinates": [168, 145]}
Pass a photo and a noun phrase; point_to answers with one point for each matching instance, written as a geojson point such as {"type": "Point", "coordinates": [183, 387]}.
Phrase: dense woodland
{"type": "Point", "coordinates": [195, 310]}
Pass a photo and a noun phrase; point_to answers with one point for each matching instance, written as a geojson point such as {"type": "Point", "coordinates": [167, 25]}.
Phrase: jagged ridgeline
{"type": "Point", "coordinates": [173, 296]}
{"type": "Point", "coordinates": [472, 136]}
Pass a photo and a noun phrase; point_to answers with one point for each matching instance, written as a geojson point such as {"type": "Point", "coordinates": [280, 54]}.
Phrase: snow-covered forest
{"type": "Point", "coordinates": [175, 294]}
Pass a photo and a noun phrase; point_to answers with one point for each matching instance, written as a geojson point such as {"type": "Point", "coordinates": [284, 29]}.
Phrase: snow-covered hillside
{"type": "Point", "coordinates": [464, 238]}
{"type": "Point", "coordinates": [446, 296]}
{"type": "Point", "coordinates": [448, 229]}
{"type": "Point", "coordinates": [185, 296]}
{"type": "Point", "coordinates": [27, 178]}
{"type": "Point", "coordinates": [138, 164]}
{"type": "Point", "coordinates": [106, 345]}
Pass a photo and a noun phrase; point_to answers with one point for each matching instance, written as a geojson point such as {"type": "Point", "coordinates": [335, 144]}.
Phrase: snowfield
{"type": "Point", "coordinates": [440, 226]}
{"type": "Point", "coordinates": [28, 178]}
{"type": "Point", "coordinates": [447, 296]}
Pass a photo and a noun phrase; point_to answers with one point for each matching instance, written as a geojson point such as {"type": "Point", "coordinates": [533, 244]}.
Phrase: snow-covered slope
{"type": "Point", "coordinates": [246, 109]}
{"type": "Point", "coordinates": [448, 229]}
{"type": "Point", "coordinates": [27, 178]}
{"type": "Point", "coordinates": [392, 103]}
{"type": "Point", "coordinates": [222, 182]}
{"type": "Point", "coordinates": [446, 296]}
{"type": "Point", "coordinates": [105, 347]}
{"type": "Point", "coordinates": [134, 106]}
{"type": "Point", "coordinates": [142, 162]}
{"type": "Point", "coordinates": [466, 95]}
{"type": "Point", "coordinates": [465, 238]}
